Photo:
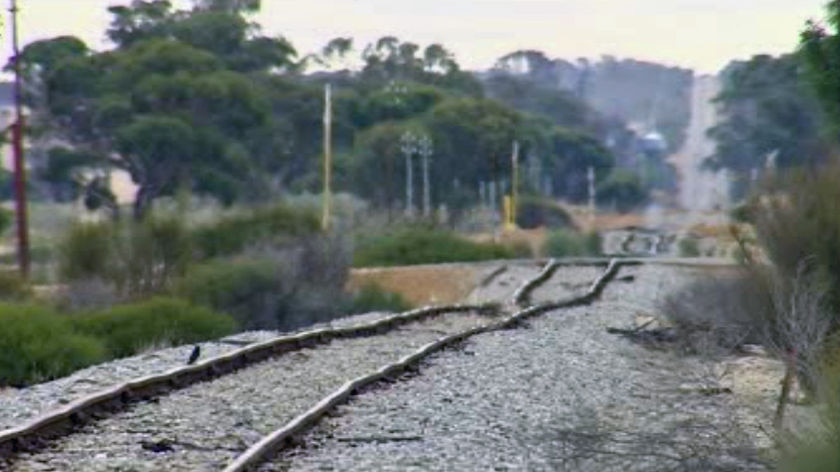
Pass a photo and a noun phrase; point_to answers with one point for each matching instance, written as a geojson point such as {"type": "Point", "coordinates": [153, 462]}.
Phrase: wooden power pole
{"type": "Point", "coordinates": [21, 217]}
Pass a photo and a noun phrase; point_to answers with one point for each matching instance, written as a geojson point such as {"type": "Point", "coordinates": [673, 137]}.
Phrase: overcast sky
{"type": "Point", "coordinates": [699, 34]}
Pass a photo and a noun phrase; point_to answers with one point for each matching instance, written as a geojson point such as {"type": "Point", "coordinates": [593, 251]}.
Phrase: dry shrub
{"type": "Point", "coordinates": [274, 287]}
{"type": "Point", "coordinates": [138, 258]}
{"type": "Point", "coordinates": [726, 311]}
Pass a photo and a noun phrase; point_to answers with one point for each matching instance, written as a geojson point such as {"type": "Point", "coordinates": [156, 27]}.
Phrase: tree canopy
{"type": "Point", "coordinates": [199, 99]}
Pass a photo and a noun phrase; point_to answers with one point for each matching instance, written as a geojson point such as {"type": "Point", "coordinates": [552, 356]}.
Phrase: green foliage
{"type": "Point", "coordinates": [820, 49]}
{"type": "Point", "coordinates": [767, 108]}
{"type": "Point", "coordinates": [534, 212]}
{"type": "Point", "coordinates": [569, 243]}
{"type": "Point", "coordinates": [688, 247]}
{"type": "Point", "coordinates": [252, 291]}
{"type": "Point", "coordinates": [7, 218]}
{"type": "Point", "coordinates": [623, 191]}
{"type": "Point", "coordinates": [173, 74]}
{"type": "Point", "coordinates": [804, 225]}
{"type": "Point", "coordinates": [127, 329]}
{"type": "Point", "coordinates": [36, 344]}
{"type": "Point", "coordinates": [13, 287]}
{"type": "Point", "coordinates": [139, 257]}
{"type": "Point", "coordinates": [423, 246]}
{"type": "Point", "coordinates": [263, 226]}
{"type": "Point", "coordinates": [86, 251]}
{"type": "Point", "coordinates": [372, 298]}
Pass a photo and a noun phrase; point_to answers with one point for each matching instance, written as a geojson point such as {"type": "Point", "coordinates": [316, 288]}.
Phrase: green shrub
{"type": "Point", "coordinates": [800, 221]}
{"type": "Point", "coordinates": [87, 251]}
{"type": "Point", "coordinates": [622, 190]}
{"type": "Point", "coordinates": [139, 258]}
{"type": "Point", "coordinates": [151, 254]}
{"type": "Point", "coordinates": [36, 345]}
{"type": "Point", "coordinates": [7, 218]}
{"type": "Point", "coordinates": [424, 246]}
{"type": "Point", "coordinates": [374, 298]}
{"type": "Point", "coordinates": [127, 329]}
{"type": "Point", "coordinates": [250, 290]}
{"type": "Point", "coordinates": [13, 287]}
{"type": "Point", "coordinates": [535, 212]}
{"type": "Point", "coordinates": [266, 226]}
{"type": "Point", "coordinates": [272, 288]}
{"type": "Point", "coordinates": [568, 243]}
{"type": "Point", "coordinates": [688, 247]}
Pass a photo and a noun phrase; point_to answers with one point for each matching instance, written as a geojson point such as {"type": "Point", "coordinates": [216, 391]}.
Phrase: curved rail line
{"type": "Point", "coordinates": [277, 440]}
{"type": "Point", "coordinates": [62, 421]}
{"type": "Point", "coordinates": [36, 434]}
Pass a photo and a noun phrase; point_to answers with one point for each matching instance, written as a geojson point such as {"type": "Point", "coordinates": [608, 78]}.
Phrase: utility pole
{"type": "Point", "coordinates": [327, 205]}
{"type": "Point", "coordinates": [426, 152]}
{"type": "Point", "coordinates": [408, 145]}
{"type": "Point", "coordinates": [590, 179]}
{"type": "Point", "coordinates": [17, 147]}
{"type": "Point", "coordinates": [514, 184]}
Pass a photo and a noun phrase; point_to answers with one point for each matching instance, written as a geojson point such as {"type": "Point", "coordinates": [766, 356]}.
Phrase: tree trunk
{"type": "Point", "coordinates": [141, 203]}
{"type": "Point", "coordinates": [787, 384]}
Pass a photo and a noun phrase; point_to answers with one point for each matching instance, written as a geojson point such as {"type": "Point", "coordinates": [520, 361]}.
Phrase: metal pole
{"type": "Point", "coordinates": [426, 152]}
{"type": "Point", "coordinates": [427, 200]}
{"type": "Point", "coordinates": [514, 185]}
{"type": "Point", "coordinates": [409, 185]}
{"type": "Point", "coordinates": [408, 146]}
{"type": "Point", "coordinates": [590, 178]}
{"type": "Point", "coordinates": [17, 143]}
{"type": "Point", "coordinates": [325, 220]}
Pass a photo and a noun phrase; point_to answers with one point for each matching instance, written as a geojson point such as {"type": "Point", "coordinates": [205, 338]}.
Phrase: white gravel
{"type": "Point", "coordinates": [562, 395]}
{"type": "Point", "coordinates": [571, 282]}
{"type": "Point", "coordinates": [207, 424]}
{"type": "Point", "coordinates": [20, 405]}
{"type": "Point", "coordinates": [502, 287]}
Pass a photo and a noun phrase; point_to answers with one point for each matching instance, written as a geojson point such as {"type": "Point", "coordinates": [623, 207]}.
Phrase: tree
{"type": "Point", "coordinates": [767, 110]}
{"type": "Point", "coordinates": [820, 50]}
{"type": "Point", "coordinates": [622, 190]}
{"type": "Point", "coordinates": [143, 19]}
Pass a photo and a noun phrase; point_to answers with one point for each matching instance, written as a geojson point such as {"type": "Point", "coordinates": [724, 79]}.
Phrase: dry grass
{"type": "Point", "coordinates": [422, 285]}
{"type": "Point", "coordinates": [534, 239]}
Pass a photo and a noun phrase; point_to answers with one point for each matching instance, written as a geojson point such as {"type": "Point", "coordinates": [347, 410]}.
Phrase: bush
{"type": "Point", "coordinates": [721, 312]}
{"type": "Point", "coordinates": [566, 243]}
{"type": "Point", "coordinates": [127, 329]}
{"type": "Point", "coordinates": [13, 287]}
{"type": "Point", "coordinates": [253, 291]}
{"type": "Point", "coordinates": [688, 247]}
{"type": "Point", "coordinates": [622, 190]}
{"type": "Point", "coordinates": [275, 288]}
{"type": "Point", "coordinates": [267, 226]}
{"type": "Point", "coordinates": [372, 298]}
{"type": "Point", "coordinates": [139, 258]}
{"type": "Point", "coordinates": [535, 212]}
{"type": "Point", "coordinates": [87, 251]}
{"type": "Point", "coordinates": [7, 218]}
{"type": "Point", "coordinates": [802, 222]}
{"type": "Point", "coordinates": [151, 254]}
{"type": "Point", "coordinates": [36, 345]}
{"type": "Point", "coordinates": [424, 246]}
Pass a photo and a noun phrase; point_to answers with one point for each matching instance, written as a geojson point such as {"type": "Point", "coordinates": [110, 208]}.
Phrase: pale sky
{"type": "Point", "coordinates": [700, 34]}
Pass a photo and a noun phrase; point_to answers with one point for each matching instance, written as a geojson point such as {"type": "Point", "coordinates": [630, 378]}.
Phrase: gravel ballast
{"type": "Point", "coordinates": [560, 395]}
{"type": "Point", "coordinates": [19, 405]}
{"type": "Point", "coordinates": [205, 425]}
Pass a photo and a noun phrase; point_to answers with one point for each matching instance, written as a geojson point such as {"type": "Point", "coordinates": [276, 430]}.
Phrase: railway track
{"type": "Point", "coordinates": [136, 425]}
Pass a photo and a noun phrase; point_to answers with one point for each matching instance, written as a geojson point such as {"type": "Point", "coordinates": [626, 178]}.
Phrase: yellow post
{"type": "Point", "coordinates": [325, 219]}
{"type": "Point", "coordinates": [509, 224]}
